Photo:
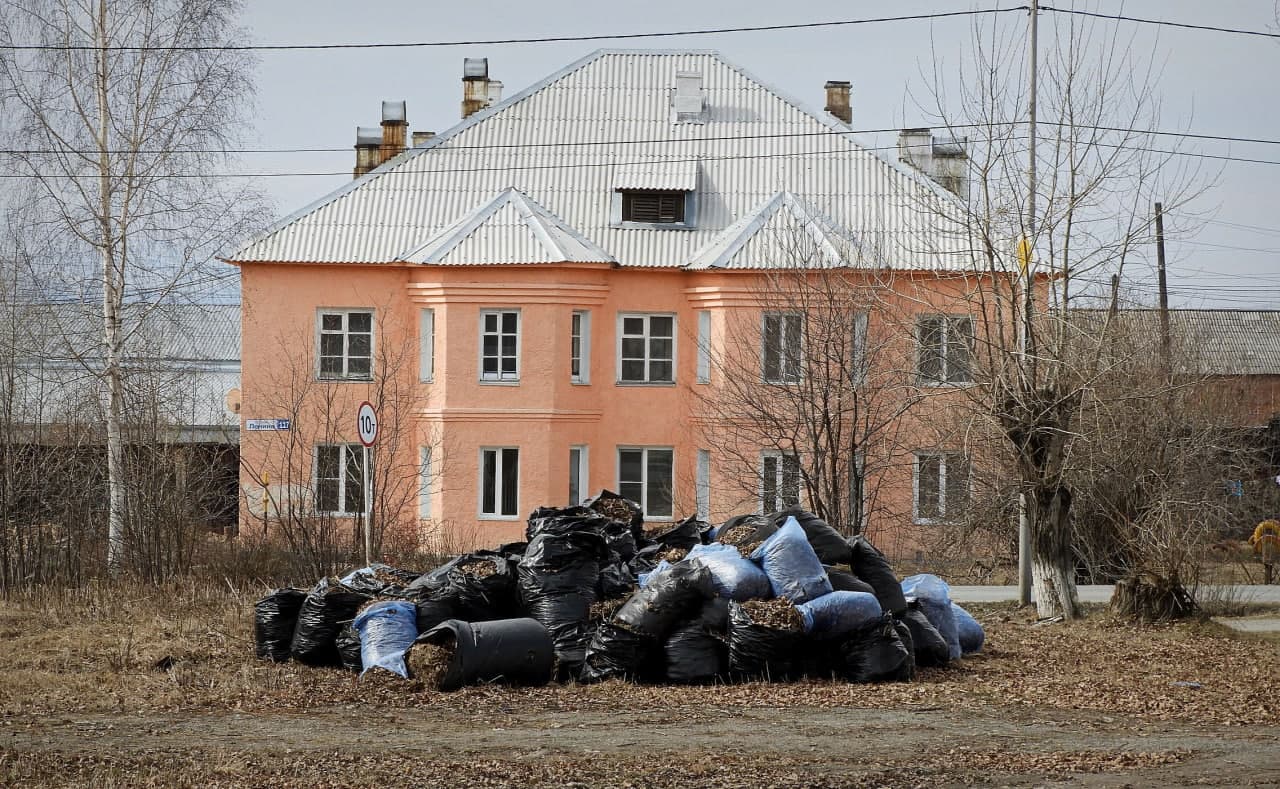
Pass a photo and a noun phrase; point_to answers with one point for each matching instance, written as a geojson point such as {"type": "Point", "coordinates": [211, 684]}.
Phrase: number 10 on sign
{"type": "Point", "coordinates": [367, 427]}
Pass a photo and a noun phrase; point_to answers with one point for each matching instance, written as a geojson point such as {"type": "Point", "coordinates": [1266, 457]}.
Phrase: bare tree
{"type": "Point", "coordinates": [809, 381]}
{"type": "Point", "coordinates": [308, 485]}
{"type": "Point", "coordinates": [126, 111]}
{"type": "Point", "coordinates": [1037, 245]}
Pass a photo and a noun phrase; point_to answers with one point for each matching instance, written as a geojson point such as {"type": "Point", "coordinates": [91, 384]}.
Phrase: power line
{"type": "Point", "coordinates": [1161, 22]}
{"type": "Point", "coordinates": [540, 40]}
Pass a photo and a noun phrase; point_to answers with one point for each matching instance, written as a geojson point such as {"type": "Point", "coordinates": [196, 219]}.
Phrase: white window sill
{"type": "Point", "coordinates": [502, 518]}
{"type": "Point", "coordinates": [945, 384]}
{"type": "Point", "coordinates": [579, 383]}
{"type": "Point", "coordinates": [781, 383]}
{"type": "Point", "coordinates": [346, 516]}
{"type": "Point", "coordinates": [646, 383]}
{"type": "Point", "coordinates": [345, 379]}
{"type": "Point", "coordinates": [495, 382]}
{"type": "Point", "coordinates": [652, 226]}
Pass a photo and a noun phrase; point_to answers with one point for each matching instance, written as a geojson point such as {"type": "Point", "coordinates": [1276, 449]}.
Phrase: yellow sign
{"type": "Point", "coordinates": [1024, 254]}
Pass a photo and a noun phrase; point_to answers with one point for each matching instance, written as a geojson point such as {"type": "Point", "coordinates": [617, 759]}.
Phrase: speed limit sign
{"type": "Point", "coordinates": [367, 423]}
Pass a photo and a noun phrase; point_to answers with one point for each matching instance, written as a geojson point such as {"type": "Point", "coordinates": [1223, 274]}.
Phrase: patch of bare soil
{"type": "Point", "coordinates": [1096, 702]}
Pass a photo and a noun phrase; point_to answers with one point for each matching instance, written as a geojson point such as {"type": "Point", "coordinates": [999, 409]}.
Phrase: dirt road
{"type": "Point", "coordinates": [727, 747]}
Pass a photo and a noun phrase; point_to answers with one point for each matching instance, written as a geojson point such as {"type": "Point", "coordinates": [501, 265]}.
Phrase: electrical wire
{"type": "Point", "coordinates": [537, 40]}
{"type": "Point", "coordinates": [1161, 22]}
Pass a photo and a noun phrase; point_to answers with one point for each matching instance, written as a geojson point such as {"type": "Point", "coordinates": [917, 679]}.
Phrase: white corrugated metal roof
{"type": "Point", "coordinates": [676, 176]}
{"type": "Point", "coordinates": [563, 141]}
{"type": "Point", "coordinates": [509, 229]}
{"type": "Point", "coordinates": [782, 230]}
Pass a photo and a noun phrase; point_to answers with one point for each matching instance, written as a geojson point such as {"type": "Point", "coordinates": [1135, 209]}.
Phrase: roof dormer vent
{"type": "Point", "coordinates": [690, 99]}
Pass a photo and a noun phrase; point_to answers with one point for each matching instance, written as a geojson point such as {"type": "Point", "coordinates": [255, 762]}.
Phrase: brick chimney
{"type": "Point", "coordinates": [838, 100]}
{"type": "Point", "coordinates": [395, 126]}
{"type": "Point", "coordinates": [368, 144]}
{"type": "Point", "coordinates": [478, 91]}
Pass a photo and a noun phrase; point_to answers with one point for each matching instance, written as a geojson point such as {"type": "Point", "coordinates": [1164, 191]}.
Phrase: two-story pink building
{"type": "Point", "coordinates": [536, 300]}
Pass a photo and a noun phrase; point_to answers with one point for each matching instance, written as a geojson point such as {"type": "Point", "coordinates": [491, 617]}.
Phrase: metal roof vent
{"type": "Point", "coordinates": [475, 68]}
{"type": "Point", "coordinates": [368, 135]}
{"type": "Point", "coordinates": [690, 99]}
{"type": "Point", "coordinates": [393, 111]}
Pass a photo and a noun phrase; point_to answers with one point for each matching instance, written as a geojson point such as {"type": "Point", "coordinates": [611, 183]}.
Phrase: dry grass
{"type": "Point", "coordinates": [96, 651]}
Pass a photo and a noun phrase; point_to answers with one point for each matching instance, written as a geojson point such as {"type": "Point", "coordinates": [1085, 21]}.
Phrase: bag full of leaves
{"type": "Point", "coordinates": [387, 629]}
{"type": "Point", "coordinates": [557, 582]}
{"type": "Point", "coordinates": [697, 651]}
{"type": "Point", "coordinates": [929, 647]}
{"type": "Point", "coordinates": [328, 605]}
{"type": "Point", "coordinates": [794, 570]}
{"type": "Point", "coordinates": [764, 636]}
{"type": "Point", "coordinates": [835, 615]}
{"type": "Point", "coordinates": [870, 565]}
{"type": "Point", "coordinates": [828, 543]}
{"type": "Point", "coordinates": [968, 630]}
{"type": "Point", "coordinates": [274, 619]}
{"type": "Point", "coordinates": [734, 576]}
{"type": "Point", "coordinates": [669, 594]}
{"type": "Point", "coordinates": [875, 653]}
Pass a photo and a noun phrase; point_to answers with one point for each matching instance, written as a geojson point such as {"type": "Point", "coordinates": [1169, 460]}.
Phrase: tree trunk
{"type": "Point", "coordinates": [1053, 574]}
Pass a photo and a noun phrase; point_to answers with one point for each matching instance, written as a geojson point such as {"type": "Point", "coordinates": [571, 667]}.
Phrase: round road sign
{"type": "Point", "coordinates": [367, 424]}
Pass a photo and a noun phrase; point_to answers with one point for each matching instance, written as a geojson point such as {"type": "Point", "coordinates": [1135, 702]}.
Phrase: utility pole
{"type": "Point", "coordinates": [1164, 291]}
{"type": "Point", "coordinates": [1024, 521]}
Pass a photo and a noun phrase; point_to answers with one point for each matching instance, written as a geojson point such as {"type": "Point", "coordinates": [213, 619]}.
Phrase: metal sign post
{"type": "Point", "coordinates": [367, 428]}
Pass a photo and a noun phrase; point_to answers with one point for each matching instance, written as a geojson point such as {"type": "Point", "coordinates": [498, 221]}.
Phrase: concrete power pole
{"type": "Point", "coordinates": [1024, 521]}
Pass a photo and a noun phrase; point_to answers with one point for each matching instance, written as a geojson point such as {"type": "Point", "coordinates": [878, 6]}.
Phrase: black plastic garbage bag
{"type": "Point", "coordinates": [845, 581]}
{"type": "Point", "coordinates": [615, 580]}
{"type": "Point", "coordinates": [907, 671]}
{"type": "Point", "coordinates": [668, 597]}
{"type": "Point", "coordinates": [380, 579]}
{"type": "Point", "coordinates": [436, 606]}
{"type": "Point", "coordinates": [620, 509]}
{"type": "Point", "coordinates": [930, 648]}
{"type": "Point", "coordinates": [348, 644]}
{"type": "Point", "coordinates": [828, 543]}
{"type": "Point", "coordinates": [557, 582]}
{"type": "Point", "coordinates": [683, 535]}
{"type": "Point", "coordinates": [274, 619]}
{"type": "Point", "coordinates": [327, 606]}
{"type": "Point", "coordinates": [509, 651]}
{"type": "Point", "coordinates": [621, 539]}
{"type": "Point", "coordinates": [432, 580]}
{"type": "Point", "coordinates": [564, 520]}
{"type": "Point", "coordinates": [617, 653]}
{"type": "Point", "coordinates": [745, 529]}
{"type": "Point", "coordinates": [874, 653]}
{"type": "Point", "coordinates": [646, 559]}
{"type": "Point", "coordinates": [697, 651]}
{"type": "Point", "coordinates": [871, 566]}
{"type": "Point", "coordinates": [758, 651]}
{"type": "Point", "coordinates": [486, 585]}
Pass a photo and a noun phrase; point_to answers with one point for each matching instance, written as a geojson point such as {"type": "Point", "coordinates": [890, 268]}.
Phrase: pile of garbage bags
{"type": "Point", "coordinates": [595, 593]}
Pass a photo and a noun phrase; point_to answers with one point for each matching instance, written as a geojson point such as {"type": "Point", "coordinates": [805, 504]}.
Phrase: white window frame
{"type": "Point", "coordinates": [859, 362]}
{"type": "Point", "coordinates": [500, 378]}
{"type": "Point", "coordinates": [582, 466]}
{"type": "Point", "coordinates": [690, 214]}
{"type": "Point", "coordinates": [424, 483]}
{"type": "Point", "coordinates": [704, 347]}
{"type": "Point", "coordinates": [779, 503]}
{"type": "Point", "coordinates": [644, 477]}
{"type": "Point", "coordinates": [944, 458]}
{"type": "Point", "coordinates": [498, 470]}
{"type": "Point", "coordinates": [648, 337]}
{"type": "Point", "coordinates": [786, 376]}
{"type": "Point", "coordinates": [344, 450]}
{"type": "Point", "coordinates": [948, 324]}
{"type": "Point", "coordinates": [426, 345]}
{"type": "Point", "coordinates": [583, 338]}
{"type": "Point", "coordinates": [345, 313]}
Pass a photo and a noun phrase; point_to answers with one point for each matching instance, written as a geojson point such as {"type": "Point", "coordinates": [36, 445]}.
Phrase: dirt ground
{"type": "Point", "coordinates": [1095, 703]}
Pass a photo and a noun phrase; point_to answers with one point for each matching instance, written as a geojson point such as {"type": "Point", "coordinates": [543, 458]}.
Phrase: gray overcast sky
{"type": "Point", "coordinates": [1213, 83]}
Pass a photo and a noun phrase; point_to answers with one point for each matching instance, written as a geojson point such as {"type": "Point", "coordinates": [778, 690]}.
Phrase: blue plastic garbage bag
{"type": "Point", "coordinates": [840, 613]}
{"type": "Point", "coordinates": [644, 579]}
{"type": "Point", "coordinates": [735, 577]}
{"type": "Point", "coordinates": [795, 571]}
{"type": "Point", "coordinates": [934, 597]}
{"type": "Point", "coordinates": [387, 630]}
{"type": "Point", "coordinates": [969, 630]}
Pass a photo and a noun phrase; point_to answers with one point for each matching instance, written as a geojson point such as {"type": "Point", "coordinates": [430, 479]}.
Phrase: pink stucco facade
{"type": "Point", "coordinates": [456, 415]}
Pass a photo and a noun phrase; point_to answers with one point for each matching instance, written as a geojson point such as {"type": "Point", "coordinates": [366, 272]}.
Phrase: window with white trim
{"type": "Point", "coordinates": [646, 348]}
{"type": "Point", "coordinates": [782, 341]}
{"type": "Point", "coordinates": [779, 481]}
{"type": "Point", "coordinates": [944, 347]}
{"type": "Point", "coordinates": [346, 344]}
{"type": "Point", "coordinates": [340, 481]}
{"type": "Point", "coordinates": [426, 345]}
{"type": "Point", "coordinates": [580, 347]}
{"type": "Point", "coordinates": [858, 364]}
{"type": "Point", "coordinates": [941, 487]}
{"type": "Point", "coordinates": [702, 484]}
{"type": "Point", "coordinates": [578, 484]}
{"type": "Point", "coordinates": [499, 345]}
{"type": "Point", "coordinates": [647, 475]}
{"type": "Point", "coordinates": [704, 347]}
{"type": "Point", "coordinates": [499, 482]}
